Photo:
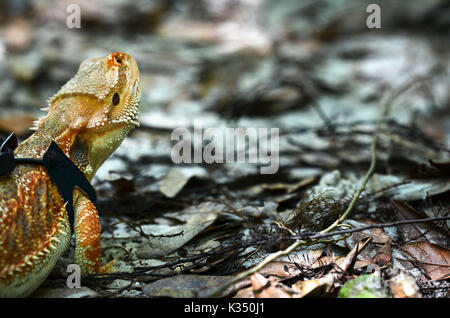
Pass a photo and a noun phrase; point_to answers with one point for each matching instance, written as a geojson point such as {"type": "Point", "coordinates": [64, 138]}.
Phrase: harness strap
{"type": "Point", "coordinates": [63, 172]}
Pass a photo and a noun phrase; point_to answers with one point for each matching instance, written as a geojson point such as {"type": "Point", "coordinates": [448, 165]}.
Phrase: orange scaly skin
{"type": "Point", "coordinates": [88, 119]}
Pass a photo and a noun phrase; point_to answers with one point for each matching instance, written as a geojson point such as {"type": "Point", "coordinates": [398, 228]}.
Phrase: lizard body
{"type": "Point", "coordinates": [88, 119]}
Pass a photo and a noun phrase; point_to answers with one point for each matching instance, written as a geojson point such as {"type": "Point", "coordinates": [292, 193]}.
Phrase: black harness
{"type": "Point", "coordinates": [63, 172]}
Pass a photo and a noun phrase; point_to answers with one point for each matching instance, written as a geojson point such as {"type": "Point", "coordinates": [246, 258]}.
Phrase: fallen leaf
{"type": "Point", "coordinates": [404, 285]}
{"type": "Point", "coordinates": [281, 269]}
{"type": "Point", "coordinates": [433, 259]}
{"type": "Point", "coordinates": [347, 264]}
{"type": "Point", "coordinates": [326, 260]}
{"type": "Point", "coordinates": [314, 287]}
{"type": "Point", "coordinates": [442, 167]}
{"type": "Point", "coordinates": [437, 170]}
{"type": "Point", "coordinates": [417, 231]}
{"type": "Point", "coordinates": [379, 249]}
{"type": "Point", "coordinates": [404, 189]}
{"type": "Point", "coordinates": [64, 293]}
{"type": "Point", "coordinates": [263, 288]}
{"type": "Point", "coordinates": [245, 293]}
{"type": "Point", "coordinates": [189, 286]}
{"type": "Point", "coordinates": [167, 239]}
{"type": "Point", "coordinates": [177, 178]}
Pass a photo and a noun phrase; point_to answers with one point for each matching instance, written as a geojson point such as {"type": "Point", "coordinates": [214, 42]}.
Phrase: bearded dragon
{"type": "Point", "coordinates": [88, 119]}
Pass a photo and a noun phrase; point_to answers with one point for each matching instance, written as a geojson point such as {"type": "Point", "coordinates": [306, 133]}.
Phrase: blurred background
{"type": "Point", "coordinates": [216, 57]}
{"type": "Point", "coordinates": [301, 66]}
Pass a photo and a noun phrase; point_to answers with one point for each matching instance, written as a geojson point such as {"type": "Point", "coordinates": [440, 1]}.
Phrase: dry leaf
{"type": "Point", "coordinates": [314, 287]}
{"type": "Point", "coordinates": [404, 285]}
{"type": "Point", "coordinates": [167, 238]}
{"type": "Point", "coordinates": [379, 250]}
{"type": "Point", "coordinates": [245, 293]}
{"type": "Point", "coordinates": [64, 293]}
{"type": "Point", "coordinates": [281, 269]}
{"type": "Point", "coordinates": [434, 259]}
{"type": "Point", "coordinates": [177, 178]}
{"type": "Point", "coordinates": [437, 170]}
{"type": "Point", "coordinates": [188, 286]}
{"type": "Point", "coordinates": [347, 264]}
{"type": "Point", "coordinates": [417, 231]}
{"type": "Point", "coordinates": [263, 288]}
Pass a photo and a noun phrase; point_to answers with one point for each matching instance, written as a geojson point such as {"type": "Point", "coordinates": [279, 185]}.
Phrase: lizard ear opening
{"type": "Point", "coordinates": [116, 99]}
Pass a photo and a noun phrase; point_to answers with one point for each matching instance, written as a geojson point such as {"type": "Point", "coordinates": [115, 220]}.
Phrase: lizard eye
{"type": "Point", "coordinates": [116, 99]}
{"type": "Point", "coordinates": [118, 60]}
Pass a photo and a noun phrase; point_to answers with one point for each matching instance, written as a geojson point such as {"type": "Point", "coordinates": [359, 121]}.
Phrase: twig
{"type": "Point", "coordinates": [315, 236]}
{"type": "Point", "coordinates": [373, 156]}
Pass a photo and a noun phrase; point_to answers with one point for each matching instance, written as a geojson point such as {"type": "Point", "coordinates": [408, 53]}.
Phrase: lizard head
{"type": "Point", "coordinates": [99, 105]}
{"type": "Point", "coordinates": [107, 92]}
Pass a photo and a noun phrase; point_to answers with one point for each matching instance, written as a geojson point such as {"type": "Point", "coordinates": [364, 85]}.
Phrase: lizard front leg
{"type": "Point", "coordinates": [88, 250]}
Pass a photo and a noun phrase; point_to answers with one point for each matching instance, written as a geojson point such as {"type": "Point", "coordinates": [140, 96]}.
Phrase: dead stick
{"type": "Point", "coordinates": [314, 236]}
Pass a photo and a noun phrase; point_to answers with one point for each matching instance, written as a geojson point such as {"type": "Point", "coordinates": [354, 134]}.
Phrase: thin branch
{"type": "Point", "coordinates": [373, 156]}
{"type": "Point", "coordinates": [315, 236]}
